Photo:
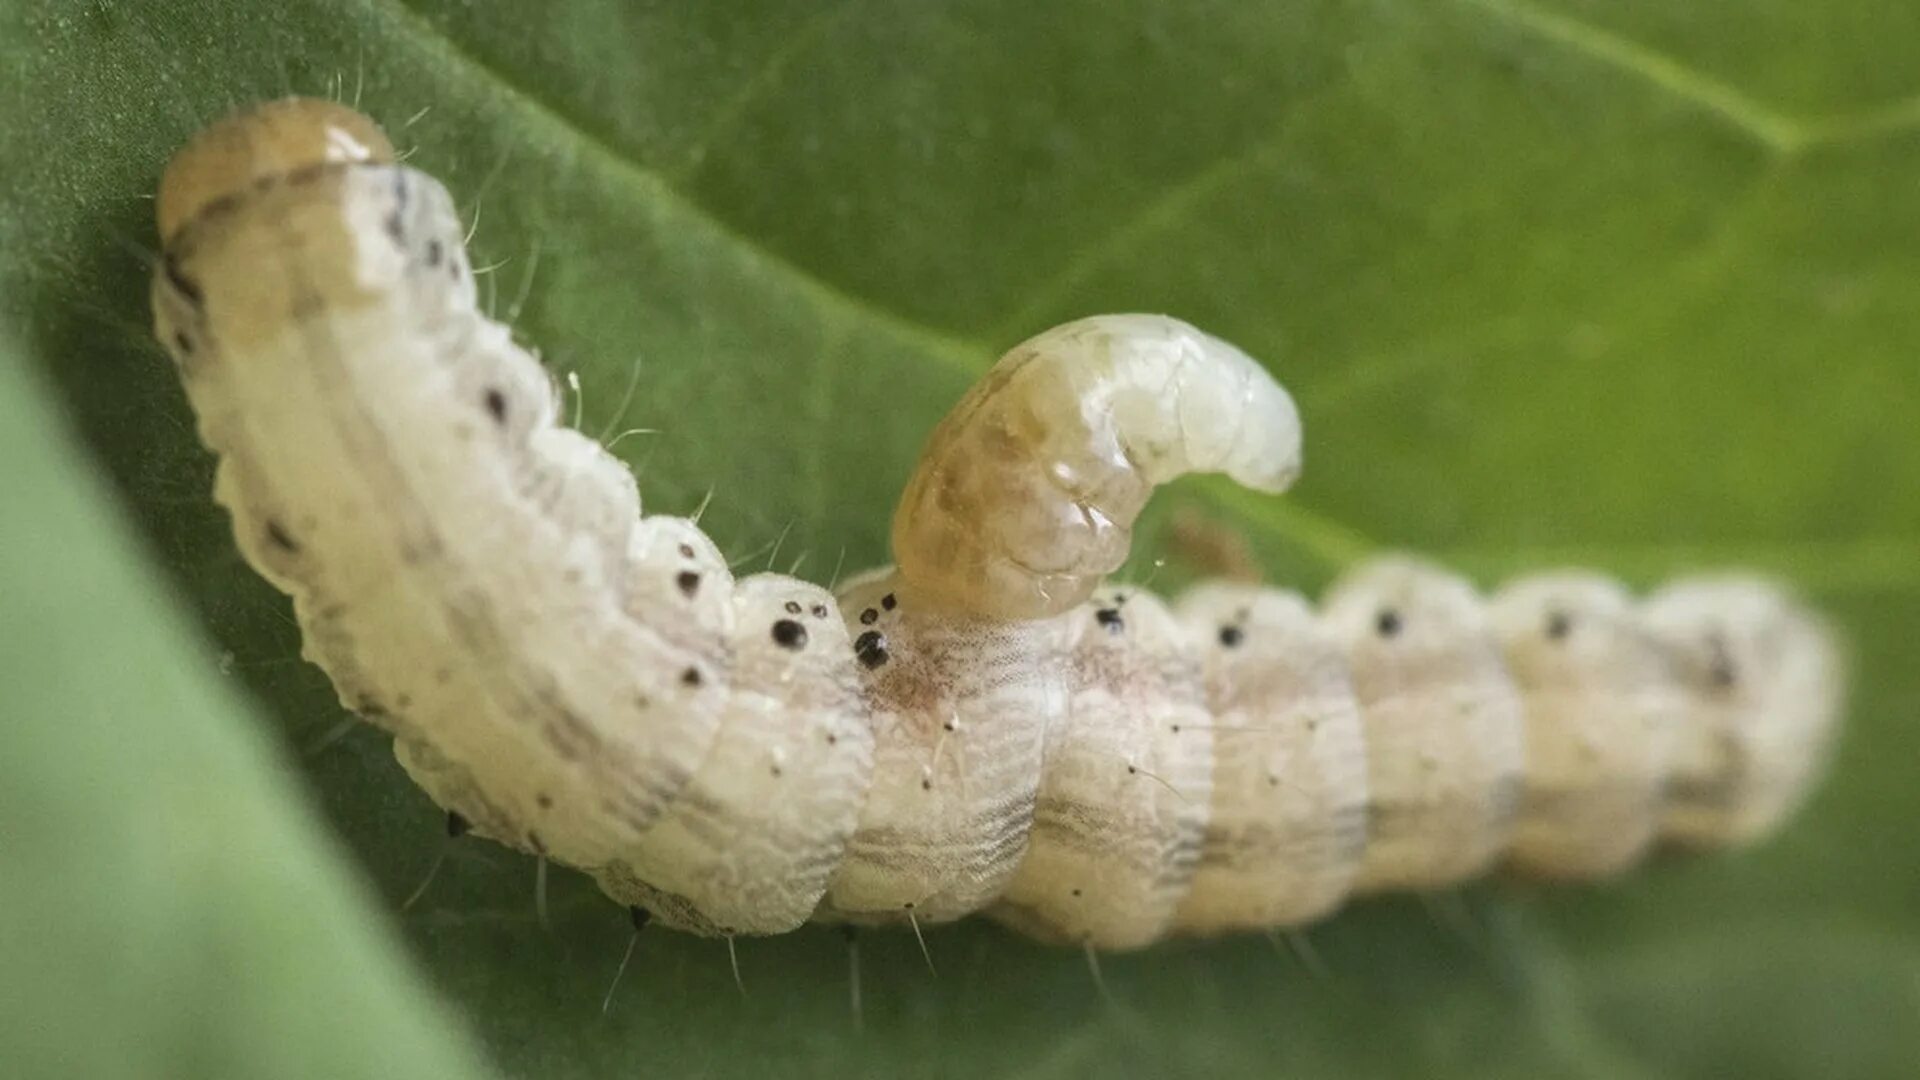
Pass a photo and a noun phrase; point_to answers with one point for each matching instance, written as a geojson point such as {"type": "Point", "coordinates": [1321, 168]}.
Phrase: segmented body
{"type": "Point", "coordinates": [985, 727]}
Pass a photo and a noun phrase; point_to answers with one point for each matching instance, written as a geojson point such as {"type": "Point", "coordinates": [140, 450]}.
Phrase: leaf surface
{"type": "Point", "coordinates": [1621, 284]}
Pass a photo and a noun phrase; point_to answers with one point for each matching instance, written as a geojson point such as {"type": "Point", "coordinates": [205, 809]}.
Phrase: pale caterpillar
{"type": "Point", "coordinates": [985, 727]}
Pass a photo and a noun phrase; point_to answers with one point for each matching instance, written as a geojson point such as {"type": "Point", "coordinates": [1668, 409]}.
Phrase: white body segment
{"type": "Point", "coordinates": [750, 843]}
{"type": "Point", "coordinates": [978, 730]}
{"type": "Point", "coordinates": [960, 708]}
{"type": "Point", "coordinates": [1442, 721]}
{"type": "Point", "coordinates": [1288, 823]}
{"type": "Point", "coordinates": [1125, 783]}
{"type": "Point", "coordinates": [1764, 688]}
{"type": "Point", "coordinates": [1601, 711]}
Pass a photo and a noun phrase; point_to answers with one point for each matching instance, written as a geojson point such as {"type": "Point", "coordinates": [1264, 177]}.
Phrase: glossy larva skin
{"type": "Point", "coordinates": [1025, 495]}
{"type": "Point", "coordinates": [1442, 723]}
{"type": "Point", "coordinates": [983, 728]}
{"type": "Point", "coordinates": [1601, 710]}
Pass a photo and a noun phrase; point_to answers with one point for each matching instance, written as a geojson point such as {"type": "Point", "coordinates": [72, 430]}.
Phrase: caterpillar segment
{"type": "Point", "coordinates": [984, 726]}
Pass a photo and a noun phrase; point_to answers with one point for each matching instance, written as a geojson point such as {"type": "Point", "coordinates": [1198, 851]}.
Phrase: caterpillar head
{"type": "Point", "coordinates": [258, 143]}
{"type": "Point", "coordinates": [1026, 493]}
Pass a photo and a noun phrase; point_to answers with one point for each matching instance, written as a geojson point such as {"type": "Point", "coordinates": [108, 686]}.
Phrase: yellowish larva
{"type": "Point", "coordinates": [984, 726]}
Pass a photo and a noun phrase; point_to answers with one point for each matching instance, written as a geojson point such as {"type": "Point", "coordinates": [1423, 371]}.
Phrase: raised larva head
{"type": "Point", "coordinates": [273, 139]}
{"type": "Point", "coordinates": [1026, 493]}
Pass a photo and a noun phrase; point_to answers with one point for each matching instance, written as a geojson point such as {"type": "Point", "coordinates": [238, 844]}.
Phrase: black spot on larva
{"type": "Point", "coordinates": [1110, 618]}
{"type": "Point", "coordinates": [435, 250]}
{"type": "Point", "coordinates": [1232, 636]}
{"type": "Point", "coordinates": [1559, 625]}
{"type": "Point", "coordinates": [790, 635]}
{"type": "Point", "coordinates": [691, 677]}
{"type": "Point", "coordinates": [774, 770]}
{"type": "Point", "coordinates": [908, 905]}
{"type": "Point", "coordinates": [1132, 770]}
{"type": "Point", "coordinates": [871, 648]}
{"type": "Point", "coordinates": [496, 404]}
{"type": "Point", "coordinates": [819, 611]}
{"type": "Point", "coordinates": [689, 582]}
{"type": "Point", "coordinates": [793, 607]}
{"type": "Point", "coordinates": [454, 267]}
{"type": "Point", "coordinates": [396, 228]}
{"type": "Point", "coordinates": [832, 739]}
{"type": "Point", "coordinates": [370, 708]}
{"type": "Point", "coordinates": [926, 784]}
{"type": "Point", "coordinates": [1076, 892]}
{"type": "Point", "coordinates": [1387, 622]}
{"type": "Point", "coordinates": [888, 602]}
{"type": "Point", "coordinates": [869, 617]}
{"type": "Point", "coordinates": [640, 916]}
{"type": "Point", "coordinates": [278, 535]}
{"type": "Point", "coordinates": [538, 845]}
{"type": "Point", "coordinates": [457, 826]}
{"type": "Point", "coordinates": [183, 284]}
{"type": "Point", "coordinates": [686, 551]}
{"type": "Point", "coordinates": [544, 800]}
{"type": "Point", "coordinates": [183, 343]}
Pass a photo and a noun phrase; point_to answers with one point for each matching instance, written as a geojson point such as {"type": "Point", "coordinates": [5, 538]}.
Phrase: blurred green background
{"type": "Point", "coordinates": [1615, 282]}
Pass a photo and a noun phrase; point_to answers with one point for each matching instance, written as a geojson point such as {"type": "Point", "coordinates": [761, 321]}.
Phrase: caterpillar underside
{"type": "Point", "coordinates": [986, 726]}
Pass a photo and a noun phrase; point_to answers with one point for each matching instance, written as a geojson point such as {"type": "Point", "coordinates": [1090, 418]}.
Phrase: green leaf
{"type": "Point", "coordinates": [1625, 283]}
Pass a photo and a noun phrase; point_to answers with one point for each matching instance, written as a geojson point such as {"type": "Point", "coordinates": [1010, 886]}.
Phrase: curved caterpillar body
{"type": "Point", "coordinates": [983, 727]}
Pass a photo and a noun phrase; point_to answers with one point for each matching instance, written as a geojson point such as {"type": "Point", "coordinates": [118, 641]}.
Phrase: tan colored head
{"type": "Point", "coordinates": [1026, 493]}
{"type": "Point", "coordinates": [273, 139]}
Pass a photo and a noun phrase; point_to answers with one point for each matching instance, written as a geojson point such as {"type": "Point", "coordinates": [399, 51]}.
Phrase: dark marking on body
{"type": "Point", "coordinates": [496, 403]}
{"type": "Point", "coordinates": [1388, 622]}
{"type": "Point", "coordinates": [278, 535]}
{"type": "Point", "coordinates": [789, 635]}
{"type": "Point", "coordinates": [1231, 637]}
{"type": "Point", "coordinates": [871, 648]}
{"type": "Point", "coordinates": [186, 286]}
{"type": "Point", "coordinates": [1110, 618]}
{"type": "Point", "coordinates": [691, 677]}
{"type": "Point", "coordinates": [689, 583]}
